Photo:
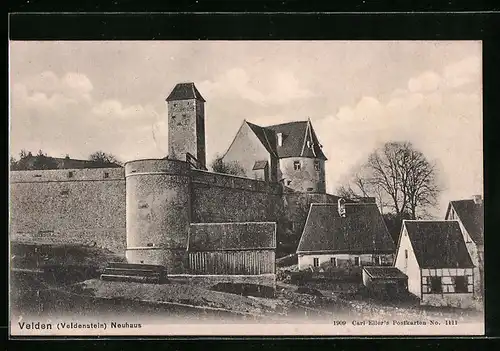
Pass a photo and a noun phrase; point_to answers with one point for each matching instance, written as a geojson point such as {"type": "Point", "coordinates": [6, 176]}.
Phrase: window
{"type": "Point", "coordinates": [406, 254]}
{"type": "Point", "coordinates": [317, 166]}
{"type": "Point", "coordinates": [333, 261]}
{"type": "Point", "coordinates": [435, 285]}
{"type": "Point", "coordinates": [106, 175]}
{"type": "Point", "coordinates": [65, 192]}
{"type": "Point", "coordinates": [310, 189]}
{"type": "Point", "coordinates": [150, 245]}
{"type": "Point", "coordinates": [460, 284]}
{"type": "Point", "coordinates": [296, 165]}
{"type": "Point", "coordinates": [316, 262]}
{"type": "Point", "coordinates": [288, 182]}
{"type": "Point", "coordinates": [356, 261]}
{"type": "Point", "coordinates": [280, 139]}
{"type": "Point", "coordinates": [70, 174]}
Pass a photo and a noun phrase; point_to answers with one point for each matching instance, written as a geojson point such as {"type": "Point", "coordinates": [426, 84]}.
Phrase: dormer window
{"type": "Point", "coordinates": [280, 139]}
{"type": "Point", "coordinates": [308, 144]}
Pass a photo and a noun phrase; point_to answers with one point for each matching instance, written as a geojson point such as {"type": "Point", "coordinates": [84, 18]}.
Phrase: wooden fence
{"type": "Point", "coordinates": [247, 262]}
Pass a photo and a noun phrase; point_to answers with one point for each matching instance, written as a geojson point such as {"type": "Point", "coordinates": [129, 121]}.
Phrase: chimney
{"type": "Point", "coordinates": [341, 207]}
{"type": "Point", "coordinates": [280, 139]}
{"type": "Point", "coordinates": [478, 199]}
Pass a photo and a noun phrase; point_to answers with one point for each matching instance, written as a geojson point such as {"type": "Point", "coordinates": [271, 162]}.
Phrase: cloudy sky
{"type": "Point", "coordinates": [78, 97]}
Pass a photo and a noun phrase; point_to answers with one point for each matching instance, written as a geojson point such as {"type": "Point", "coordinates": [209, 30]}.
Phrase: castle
{"type": "Point", "coordinates": [166, 211]}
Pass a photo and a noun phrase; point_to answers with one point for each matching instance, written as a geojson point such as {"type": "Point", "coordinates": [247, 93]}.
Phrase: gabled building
{"type": "Point", "coordinates": [434, 257]}
{"type": "Point", "coordinates": [345, 234]}
{"type": "Point", "coordinates": [232, 248]}
{"type": "Point", "coordinates": [289, 153]}
{"type": "Point", "coordinates": [470, 216]}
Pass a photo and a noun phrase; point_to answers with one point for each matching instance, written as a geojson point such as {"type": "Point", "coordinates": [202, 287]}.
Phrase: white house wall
{"type": "Point", "coordinates": [307, 260]}
{"type": "Point", "coordinates": [449, 298]}
{"type": "Point", "coordinates": [410, 266]}
{"type": "Point", "coordinates": [245, 149]}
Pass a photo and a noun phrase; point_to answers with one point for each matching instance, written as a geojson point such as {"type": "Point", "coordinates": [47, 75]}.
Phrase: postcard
{"type": "Point", "coordinates": [263, 188]}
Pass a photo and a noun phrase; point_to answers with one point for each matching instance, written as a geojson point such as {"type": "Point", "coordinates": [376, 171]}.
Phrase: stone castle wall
{"type": "Point", "coordinates": [86, 206]}
{"type": "Point", "coordinates": [90, 206]}
{"type": "Point", "coordinates": [225, 198]}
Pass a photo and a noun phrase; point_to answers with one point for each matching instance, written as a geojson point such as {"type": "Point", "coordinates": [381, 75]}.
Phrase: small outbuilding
{"type": "Point", "coordinates": [246, 248]}
{"type": "Point", "coordinates": [385, 282]}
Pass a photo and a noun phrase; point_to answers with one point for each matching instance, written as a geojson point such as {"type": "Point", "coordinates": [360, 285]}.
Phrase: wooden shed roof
{"type": "Point", "coordinates": [232, 236]}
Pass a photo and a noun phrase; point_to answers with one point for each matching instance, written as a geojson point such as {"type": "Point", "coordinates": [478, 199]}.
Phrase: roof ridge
{"type": "Point", "coordinates": [280, 124]}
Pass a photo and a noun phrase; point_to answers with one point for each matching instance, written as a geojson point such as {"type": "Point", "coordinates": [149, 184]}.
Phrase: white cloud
{"type": "Point", "coordinates": [463, 72]}
{"type": "Point", "coordinates": [426, 82]}
{"type": "Point", "coordinates": [444, 123]}
{"type": "Point", "coordinates": [77, 82]}
{"type": "Point", "coordinates": [60, 116]}
{"type": "Point", "coordinates": [275, 87]}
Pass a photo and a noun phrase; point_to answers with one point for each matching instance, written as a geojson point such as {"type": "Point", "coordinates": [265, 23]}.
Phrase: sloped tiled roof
{"type": "Point", "coordinates": [438, 244]}
{"type": "Point", "coordinates": [362, 230]}
{"type": "Point", "coordinates": [232, 236]}
{"type": "Point", "coordinates": [185, 91]}
{"type": "Point", "coordinates": [266, 137]}
{"type": "Point", "coordinates": [69, 163]}
{"type": "Point", "coordinates": [295, 137]}
{"type": "Point", "coordinates": [472, 217]}
{"type": "Point", "coordinates": [381, 272]}
{"type": "Point", "coordinates": [66, 163]}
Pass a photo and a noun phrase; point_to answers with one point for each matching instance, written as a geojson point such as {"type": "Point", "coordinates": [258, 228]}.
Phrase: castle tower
{"type": "Point", "coordinates": [301, 158]}
{"type": "Point", "coordinates": [158, 210]}
{"type": "Point", "coordinates": [186, 123]}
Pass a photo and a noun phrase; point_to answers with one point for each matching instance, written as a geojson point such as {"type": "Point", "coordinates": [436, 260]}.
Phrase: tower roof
{"type": "Point", "coordinates": [295, 137]}
{"type": "Point", "coordinates": [185, 91]}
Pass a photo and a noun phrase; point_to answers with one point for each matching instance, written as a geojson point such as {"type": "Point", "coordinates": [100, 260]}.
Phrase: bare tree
{"type": "Point", "coordinates": [360, 185]}
{"type": "Point", "coordinates": [103, 158]}
{"type": "Point", "coordinates": [23, 154]}
{"type": "Point", "coordinates": [400, 177]}
{"type": "Point", "coordinates": [220, 166]}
